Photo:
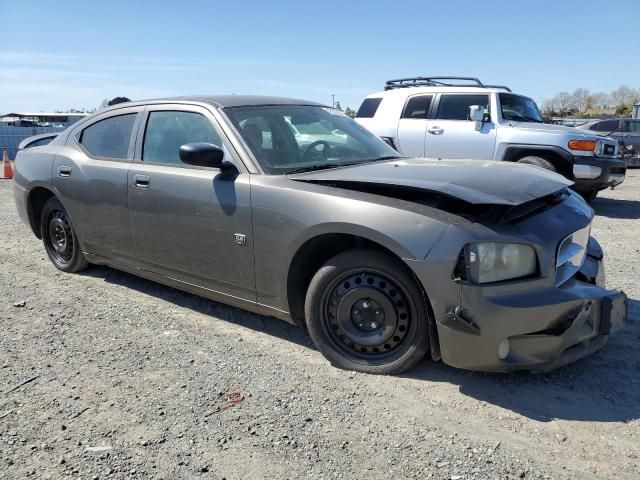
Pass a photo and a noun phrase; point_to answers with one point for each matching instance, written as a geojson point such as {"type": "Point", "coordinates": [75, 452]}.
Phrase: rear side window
{"type": "Point", "coordinates": [368, 108]}
{"type": "Point", "coordinates": [605, 126]}
{"type": "Point", "coordinates": [109, 138]}
{"type": "Point", "coordinates": [456, 107]}
{"type": "Point", "coordinates": [417, 107]}
{"type": "Point", "coordinates": [634, 126]}
{"type": "Point", "coordinates": [167, 131]}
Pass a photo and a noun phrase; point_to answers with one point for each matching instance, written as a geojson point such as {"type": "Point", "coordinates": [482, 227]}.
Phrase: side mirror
{"type": "Point", "coordinates": [476, 114]}
{"type": "Point", "coordinates": [202, 155]}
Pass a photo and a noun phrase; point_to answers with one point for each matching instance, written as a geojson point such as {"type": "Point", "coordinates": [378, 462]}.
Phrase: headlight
{"type": "Point", "coordinates": [493, 262]}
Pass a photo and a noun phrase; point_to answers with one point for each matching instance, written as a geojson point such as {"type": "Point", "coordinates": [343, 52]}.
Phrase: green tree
{"type": "Point", "coordinates": [116, 100]}
{"type": "Point", "coordinates": [349, 113]}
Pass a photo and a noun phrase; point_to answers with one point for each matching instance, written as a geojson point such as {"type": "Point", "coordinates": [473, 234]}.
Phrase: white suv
{"type": "Point", "coordinates": [441, 117]}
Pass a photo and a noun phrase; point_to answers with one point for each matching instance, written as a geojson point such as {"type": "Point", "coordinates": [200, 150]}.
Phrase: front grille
{"type": "Point", "coordinates": [571, 253]}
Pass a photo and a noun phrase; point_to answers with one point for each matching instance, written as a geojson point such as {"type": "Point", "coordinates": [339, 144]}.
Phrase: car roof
{"type": "Point", "coordinates": [225, 101]}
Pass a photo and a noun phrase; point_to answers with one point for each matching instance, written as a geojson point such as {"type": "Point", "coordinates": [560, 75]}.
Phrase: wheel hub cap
{"type": "Point", "coordinates": [367, 314]}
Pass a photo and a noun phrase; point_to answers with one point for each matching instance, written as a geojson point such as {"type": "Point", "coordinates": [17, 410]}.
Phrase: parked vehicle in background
{"type": "Point", "coordinates": [487, 265]}
{"type": "Point", "coordinates": [460, 117]}
{"type": "Point", "coordinates": [625, 130]}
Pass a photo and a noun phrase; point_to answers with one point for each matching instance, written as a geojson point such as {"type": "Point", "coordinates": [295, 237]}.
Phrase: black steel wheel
{"type": "Point", "coordinates": [59, 238]}
{"type": "Point", "coordinates": [366, 313]}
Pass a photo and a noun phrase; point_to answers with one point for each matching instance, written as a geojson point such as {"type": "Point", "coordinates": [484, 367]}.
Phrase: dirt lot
{"type": "Point", "coordinates": [128, 379]}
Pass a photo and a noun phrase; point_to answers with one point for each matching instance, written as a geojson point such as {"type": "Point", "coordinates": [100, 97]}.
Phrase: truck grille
{"type": "Point", "coordinates": [571, 253]}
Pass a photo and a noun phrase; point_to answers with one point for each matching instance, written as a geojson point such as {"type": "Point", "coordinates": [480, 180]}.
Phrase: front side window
{"type": "Point", "coordinates": [167, 131]}
{"type": "Point", "coordinates": [284, 138]}
{"type": "Point", "coordinates": [417, 107]}
{"type": "Point", "coordinates": [109, 138]}
{"type": "Point", "coordinates": [519, 109]}
{"type": "Point", "coordinates": [456, 107]}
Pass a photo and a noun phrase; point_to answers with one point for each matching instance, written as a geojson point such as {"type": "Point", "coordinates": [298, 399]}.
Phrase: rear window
{"type": "Point", "coordinates": [368, 108]}
{"type": "Point", "coordinates": [417, 107]}
{"type": "Point", "coordinates": [456, 107]}
{"type": "Point", "coordinates": [109, 138]}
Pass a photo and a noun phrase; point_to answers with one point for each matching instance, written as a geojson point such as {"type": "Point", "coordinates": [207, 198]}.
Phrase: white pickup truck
{"type": "Point", "coordinates": [460, 117]}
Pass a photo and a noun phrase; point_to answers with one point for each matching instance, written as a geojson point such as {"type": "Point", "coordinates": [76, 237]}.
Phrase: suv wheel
{"type": "Point", "coordinates": [365, 312]}
{"type": "Point", "coordinates": [538, 162]}
{"type": "Point", "coordinates": [59, 238]}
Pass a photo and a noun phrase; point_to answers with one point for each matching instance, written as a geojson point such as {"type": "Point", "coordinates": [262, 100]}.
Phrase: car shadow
{"type": "Point", "coordinates": [599, 388]}
{"type": "Point", "coordinates": [615, 208]}
{"type": "Point", "coordinates": [259, 323]}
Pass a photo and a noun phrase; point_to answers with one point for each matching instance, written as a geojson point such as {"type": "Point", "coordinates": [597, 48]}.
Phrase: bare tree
{"type": "Point", "coordinates": [547, 107]}
{"type": "Point", "coordinates": [600, 100]}
{"type": "Point", "coordinates": [563, 103]}
{"type": "Point", "coordinates": [580, 99]}
{"type": "Point", "coordinates": [623, 96]}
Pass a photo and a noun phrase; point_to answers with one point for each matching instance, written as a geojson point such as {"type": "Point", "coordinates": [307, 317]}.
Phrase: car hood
{"type": "Point", "coordinates": [547, 127]}
{"type": "Point", "coordinates": [473, 181]}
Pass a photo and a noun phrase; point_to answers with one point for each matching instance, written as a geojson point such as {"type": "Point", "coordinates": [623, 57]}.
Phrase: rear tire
{"type": "Point", "coordinates": [538, 162]}
{"type": "Point", "coordinates": [59, 238]}
{"type": "Point", "coordinates": [365, 312]}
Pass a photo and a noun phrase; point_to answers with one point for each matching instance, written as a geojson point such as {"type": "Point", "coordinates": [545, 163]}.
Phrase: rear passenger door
{"type": "Point", "coordinates": [190, 223]}
{"type": "Point", "coordinates": [90, 175]}
{"type": "Point", "coordinates": [412, 127]}
{"type": "Point", "coordinates": [450, 133]}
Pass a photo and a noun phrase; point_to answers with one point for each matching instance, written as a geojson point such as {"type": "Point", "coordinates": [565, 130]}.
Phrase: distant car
{"type": "Point", "coordinates": [460, 117]}
{"type": "Point", "coordinates": [625, 130]}
{"type": "Point", "coordinates": [487, 265]}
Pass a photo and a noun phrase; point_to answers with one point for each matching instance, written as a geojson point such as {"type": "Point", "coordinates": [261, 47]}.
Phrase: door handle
{"type": "Point", "coordinates": [141, 181]}
{"type": "Point", "coordinates": [64, 171]}
{"type": "Point", "coordinates": [436, 131]}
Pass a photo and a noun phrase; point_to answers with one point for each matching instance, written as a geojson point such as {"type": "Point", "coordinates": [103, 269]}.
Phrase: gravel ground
{"type": "Point", "coordinates": [104, 375]}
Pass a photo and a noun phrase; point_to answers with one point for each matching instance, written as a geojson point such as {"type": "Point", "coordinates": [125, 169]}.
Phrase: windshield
{"type": "Point", "coordinates": [287, 138]}
{"type": "Point", "coordinates": [520, 109]}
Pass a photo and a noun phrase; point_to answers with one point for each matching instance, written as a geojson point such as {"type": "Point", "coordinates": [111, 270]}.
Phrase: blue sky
{"type": "Point", "coordinates": [73, 54]}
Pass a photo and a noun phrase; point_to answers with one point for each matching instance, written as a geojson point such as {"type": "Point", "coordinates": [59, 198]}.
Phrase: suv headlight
{"type": "Point", "coordinates": [488, 262]}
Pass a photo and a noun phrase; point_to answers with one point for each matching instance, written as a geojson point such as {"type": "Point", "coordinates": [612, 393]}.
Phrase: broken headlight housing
{"type": "Point", "coordinates": [488, 262]}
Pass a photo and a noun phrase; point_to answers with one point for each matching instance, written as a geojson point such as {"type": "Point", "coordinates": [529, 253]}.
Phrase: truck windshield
{"type": "Point", "coordinates": [518, 108]}
{"type": "Point", "coordinates": [288, 138]}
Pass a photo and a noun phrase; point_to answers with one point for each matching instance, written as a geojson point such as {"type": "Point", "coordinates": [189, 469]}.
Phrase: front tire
{"type": "Point", "coordinates": [59, 238]}
{"type": "Point", "coordinates": [589, 196]}
{"type": "Point", "coordinates": [538, 162]}
{"type": "Point", "coordinates": [365, 312]}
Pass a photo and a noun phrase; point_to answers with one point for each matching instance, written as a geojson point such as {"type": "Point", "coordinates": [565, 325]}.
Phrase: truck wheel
{"type": "Point", "coordinates": [589, 196]}
{"type": "Point", "coordinates": [59, 238]}
{"type": "Point", "coordinates": [538, 162]}
{"type": "Point", "coordinates": [365, 312]}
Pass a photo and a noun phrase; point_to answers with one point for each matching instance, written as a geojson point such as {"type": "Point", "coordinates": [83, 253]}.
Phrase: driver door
{"type": "Point", "coordinates": [190, 223]}
{"type": "Point", "coordinates": [451, 135]}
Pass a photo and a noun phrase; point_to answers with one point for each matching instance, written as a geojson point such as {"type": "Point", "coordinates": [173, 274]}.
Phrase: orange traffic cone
{"type": "Point", "coordinates": [7, 171]}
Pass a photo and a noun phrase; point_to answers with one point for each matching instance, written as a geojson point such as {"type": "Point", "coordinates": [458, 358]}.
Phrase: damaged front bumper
{"type": "Point", "coordinates": [524, 324]}
{"type": "Point", "coordinates": [499, 329]}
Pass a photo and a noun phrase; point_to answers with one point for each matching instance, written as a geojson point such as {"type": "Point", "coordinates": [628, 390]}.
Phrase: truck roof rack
{"type": "Point", "coordinates": [438, 82]}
